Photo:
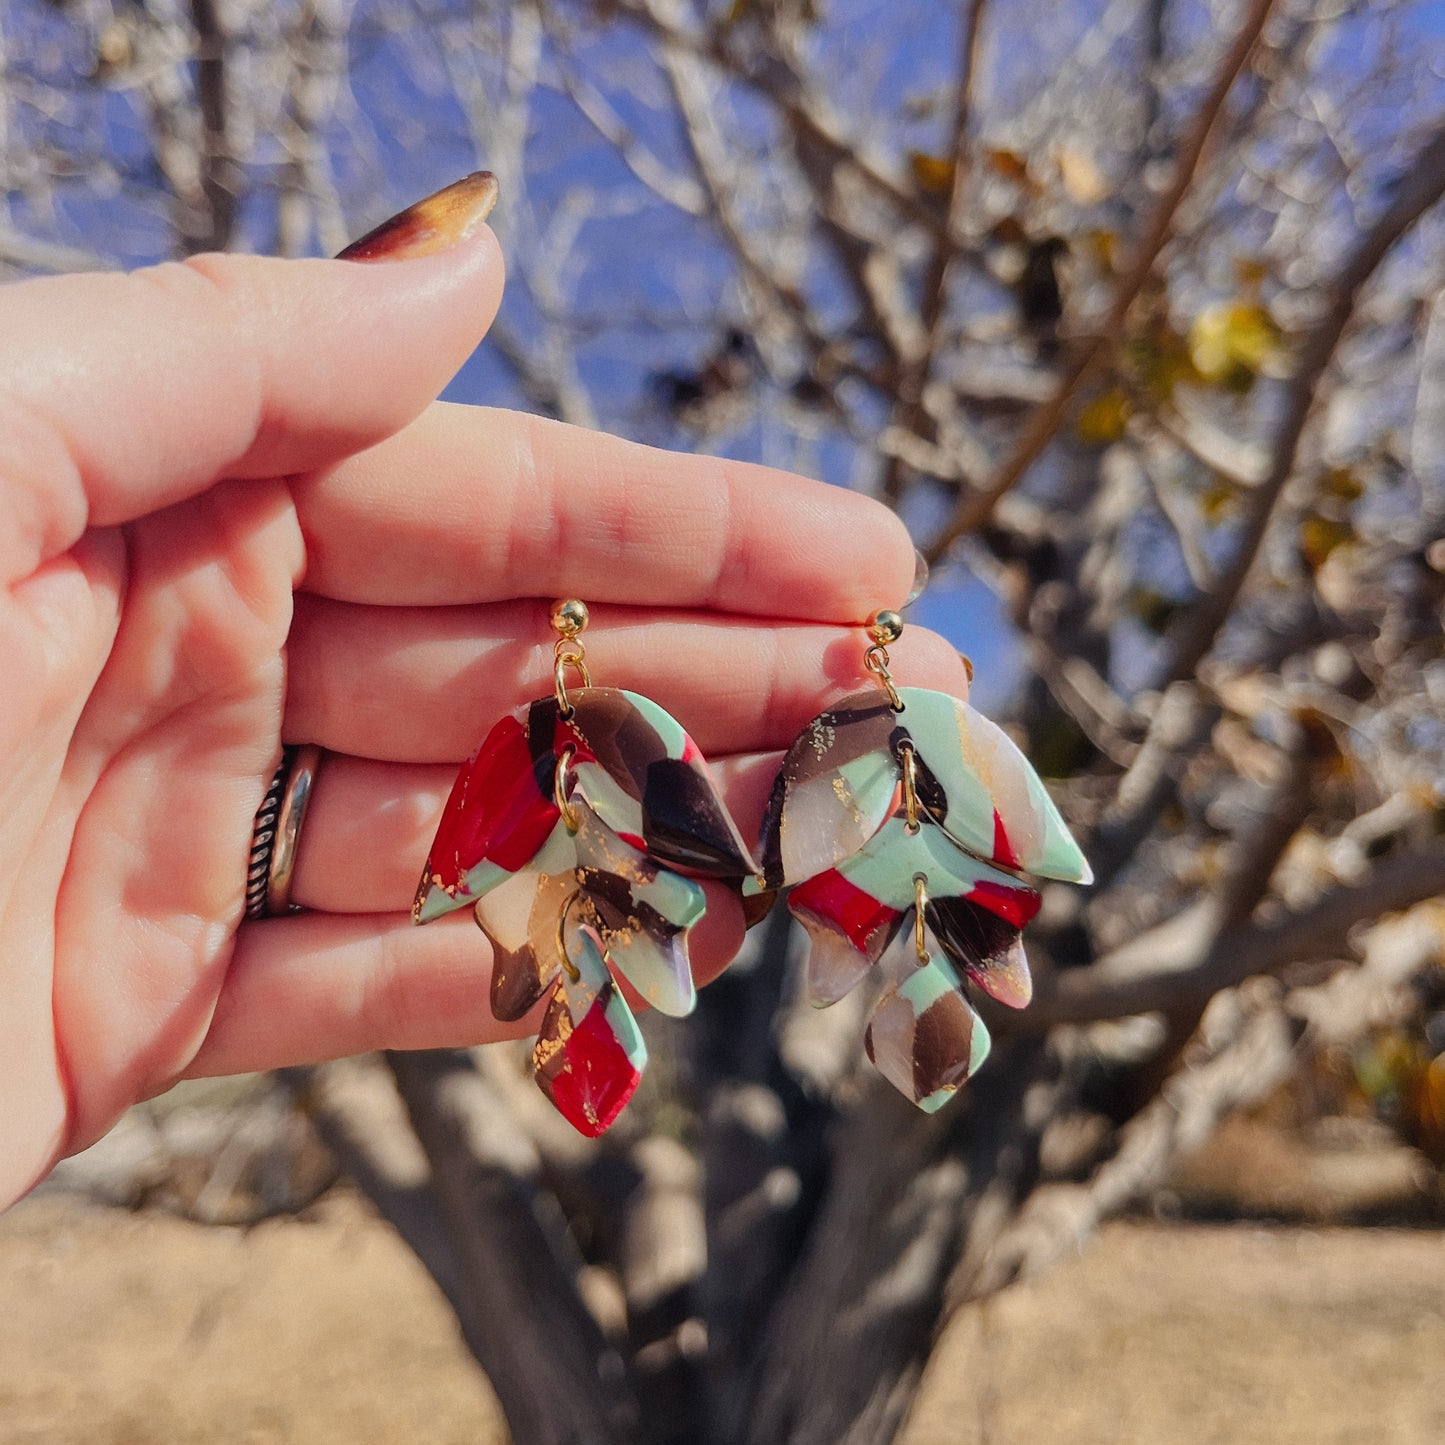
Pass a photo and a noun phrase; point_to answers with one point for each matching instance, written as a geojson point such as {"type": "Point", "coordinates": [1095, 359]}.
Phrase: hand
{"type": "Point", "coordinates": [236, 517]}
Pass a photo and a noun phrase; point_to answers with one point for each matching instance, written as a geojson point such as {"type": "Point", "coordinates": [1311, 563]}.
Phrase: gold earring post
{"type": "Point", "coordinates": [884, 627]}
{"type": "Point", "coordinates": [569, 618]}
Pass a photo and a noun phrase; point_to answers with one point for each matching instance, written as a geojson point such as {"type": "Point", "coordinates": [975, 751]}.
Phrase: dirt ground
{"type": "Point", "coordinates": [127, 1329]}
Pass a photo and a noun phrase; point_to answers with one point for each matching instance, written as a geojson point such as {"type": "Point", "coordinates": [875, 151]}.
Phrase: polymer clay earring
{"type": "Point", "coordinates": [899, 802]}
{"type": "Point", "coordinates": [575, 833]}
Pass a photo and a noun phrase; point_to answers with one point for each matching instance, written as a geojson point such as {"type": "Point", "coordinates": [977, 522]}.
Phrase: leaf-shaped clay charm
{"type": "Point", "coordinates": [987, 945]}
{"type": "Point", "coordinates": [646, 779]}
{"type": "Point", "coordinates": [835, 787]}
{"type": "Point", "coordinates": [982, 791]}
{"type": "Point", "coordinates": [839, 779]}
{"type": "Point", "coordinates": [643, 913]}
{"type": "Point", "coordinates": [627, 759]}
{"type": "Point", "coordinates": [497, 819]}
{"type": "Point", "coordinates": [520, 922]}
{"type": "Point", "coordinates": [924, 1038]}
{"type": "Point", "coordinates": [589, 1055]}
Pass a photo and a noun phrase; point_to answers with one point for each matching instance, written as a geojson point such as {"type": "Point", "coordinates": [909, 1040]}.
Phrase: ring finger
{"type": "Point", "coordinates": [369, 825]}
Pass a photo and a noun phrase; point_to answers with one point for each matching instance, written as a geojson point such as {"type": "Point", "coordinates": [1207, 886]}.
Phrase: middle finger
{"type": "Point", "coordinates": [424, 684]}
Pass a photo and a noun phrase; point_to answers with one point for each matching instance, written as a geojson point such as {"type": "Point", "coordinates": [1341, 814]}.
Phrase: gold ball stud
{"type": "Point", "coordinates": [569, 616]}
{"type": "Point", "coordinates": [885, 627]}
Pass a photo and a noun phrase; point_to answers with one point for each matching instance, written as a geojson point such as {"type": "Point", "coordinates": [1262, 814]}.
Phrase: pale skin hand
{"type": "Point", "coordinates": [233, 516]}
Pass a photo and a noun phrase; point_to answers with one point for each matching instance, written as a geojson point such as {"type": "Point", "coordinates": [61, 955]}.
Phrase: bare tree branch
{"type": "Point", "coordinates": [910, 414]}
{"type": "Point", "coordinates": [308, 192]}
{"type": "Point", "coordinates": [680, 64]}
{"type": "Point", "coordinates": [803, 112]}
{"type": "Point", "coordinates": [1185, 959]}
{"type": "Point", "coordinates": [220, 179]}
{"type": "Point", "coordinates": [1181, 724]}
{"type": "Point", "coordinates": [1418, 189]}
{"type": "Point", "coordinates": [558, 1379]}
{"type": "Point", "coordinates": [975, 506]}
{"type": "Point", "coordinates": [1254, 1057]}
{"type": "Point", "coordinates": [681, 192]}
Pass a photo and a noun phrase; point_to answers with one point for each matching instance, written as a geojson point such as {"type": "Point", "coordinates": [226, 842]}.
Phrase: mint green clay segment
{"type": "Point", "coordinates": [475, 884]}
{"type": "Point", "coordinates": [659, 971]}
{"type": "Point", "coordinates": [601, 792]}
{"type": "Point", "coordinates": [1061, 857]}
{"type": "Point", "coordinates": [587, 956]}
{"type": "Point", "coordinates": [479, 881]}
{"type": "Point", "coordinates": [927, 985]}
{"type": "Point", "coordinates": [667, 727]}
{"type": "Point", "coordinates": [558, 853]}
{"type": "Point", "coordinates": [983, 774]}
{"type": "Point", "coordinates": [621, 1021]}
{"type": "Point", "coordinates": [982, 1043]}
{"type": "Point", "coordinates": [932, 721]}
{"type": "Point", "coordinates": [872, 777]}
{"type": "Point", "coordinates": [870, 783]}
{"type": "Point", "coordinates": [936, 1100]}
{"type": "Point", "coordinates": [678, 899]}
{"type": "Point", "coordinates": [1057, 855]}
{"type": "Point", "coordinates": [886, 866]}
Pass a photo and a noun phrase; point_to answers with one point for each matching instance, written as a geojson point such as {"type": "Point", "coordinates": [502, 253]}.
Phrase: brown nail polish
{"type": "Point", "coordinates": [429, 226]}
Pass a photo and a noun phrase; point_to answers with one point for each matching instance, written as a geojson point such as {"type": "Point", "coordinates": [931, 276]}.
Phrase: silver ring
{"type": "Point", "coordinates": [277, 833]}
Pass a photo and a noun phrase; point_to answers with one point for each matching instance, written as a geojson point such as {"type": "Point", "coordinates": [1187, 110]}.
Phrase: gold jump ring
{"type": "Point", "coordinates": [559, 790]}
{"type": "Point", "coordinates": [910, 787]}
{"type": "Point", "coordinates": [876, 661]}
{"type": "Point", "coordinates": [568, 967]}
{"type": "Point", "coordinates": [565, 659]}
{"type": "Point", "coordinates": [920, 903]}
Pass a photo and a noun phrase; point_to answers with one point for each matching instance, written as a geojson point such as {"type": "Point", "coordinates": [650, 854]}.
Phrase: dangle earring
{"type": "Point", "coordinates": [569, 832]}
{"type": "Point", "coordinates": [902, 801]}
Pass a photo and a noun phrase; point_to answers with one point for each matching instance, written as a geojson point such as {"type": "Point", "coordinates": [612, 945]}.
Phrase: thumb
{"type": "Point", "coordinates": [121, 394]}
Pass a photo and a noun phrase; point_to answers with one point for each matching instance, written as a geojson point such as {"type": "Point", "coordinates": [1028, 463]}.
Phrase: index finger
{"type": "Point", "coordinates": [124, 394]}
{"type": "Point", "coordinates": [471, 504]}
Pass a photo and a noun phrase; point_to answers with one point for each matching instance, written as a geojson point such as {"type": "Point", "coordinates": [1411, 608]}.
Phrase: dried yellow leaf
{"type": "Point", "coordinates": [931, 174]}
{"type": "Point", "coordinates": [1084, 182]}
{"type": "Point", "coordinates": [1231, 342]}
{"type": "Point", "coordinates": [1105, 418]}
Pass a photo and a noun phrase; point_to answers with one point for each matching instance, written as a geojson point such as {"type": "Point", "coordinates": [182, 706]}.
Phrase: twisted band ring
{"type": "Point", "coordinates": [277, 832]}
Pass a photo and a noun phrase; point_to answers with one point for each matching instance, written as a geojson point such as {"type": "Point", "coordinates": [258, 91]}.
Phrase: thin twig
{"type": "Point", "coordinates": [1419, 188]}
{"type": "Point", "coordinates": [790, 101]}
{"type": "Point", "coordinates": [975, 507]}
{"type": "Point", "coordinates": [932, 309]}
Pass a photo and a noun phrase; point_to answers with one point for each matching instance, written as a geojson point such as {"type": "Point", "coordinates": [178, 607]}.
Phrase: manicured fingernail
{"type": "Point", "coordinates": [920, 578]}
{"type": "Point", "coordinates": [429, 226]}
